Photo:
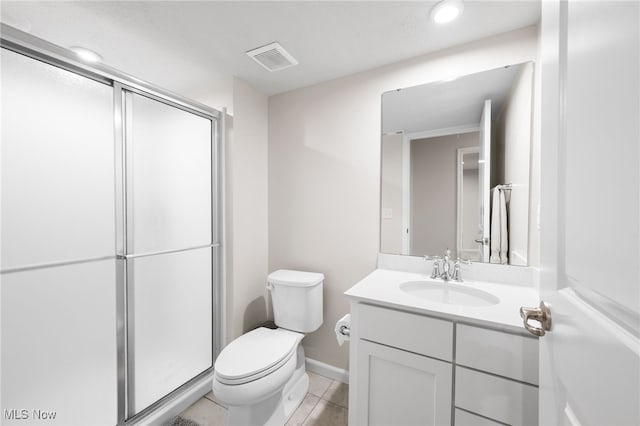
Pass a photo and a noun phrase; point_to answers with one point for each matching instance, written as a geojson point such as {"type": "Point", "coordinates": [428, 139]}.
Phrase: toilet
{"type": "Point", "coordinates": [261, 375]}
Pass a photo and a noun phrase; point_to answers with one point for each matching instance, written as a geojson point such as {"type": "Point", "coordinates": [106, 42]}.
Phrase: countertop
{"type": "Point", "coordinates": [382, 287]}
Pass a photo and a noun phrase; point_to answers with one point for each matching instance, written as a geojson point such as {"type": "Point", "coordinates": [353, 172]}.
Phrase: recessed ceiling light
{"type": "Point", "coordinates": [86, 54]}
{"type": "Point", "coordinates": [446, 11]}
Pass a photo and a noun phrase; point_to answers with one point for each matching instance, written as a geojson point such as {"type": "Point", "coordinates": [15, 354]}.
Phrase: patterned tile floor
{"type": "Point", "coordinates": [326, 404]}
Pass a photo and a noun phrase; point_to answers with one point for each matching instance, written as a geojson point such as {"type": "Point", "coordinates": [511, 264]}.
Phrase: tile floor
{"type": "Point", "coordinates": [326, 404]}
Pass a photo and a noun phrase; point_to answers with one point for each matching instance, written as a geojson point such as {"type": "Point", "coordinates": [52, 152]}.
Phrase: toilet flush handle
{"type": "Point", "coordinates": [269, 286]}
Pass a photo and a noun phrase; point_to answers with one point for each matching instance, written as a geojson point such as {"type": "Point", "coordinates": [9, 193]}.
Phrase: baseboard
{"type": "Point", "coordinates": [327, 370]}
{"type": "Point", "coordinates": [176, 406]}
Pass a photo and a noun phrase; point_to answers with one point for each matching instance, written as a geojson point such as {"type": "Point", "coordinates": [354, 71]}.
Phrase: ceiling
{"type": "Point", "coordinates": [192, 46]}
{"type": "Point", "coordinates": [447, 104]}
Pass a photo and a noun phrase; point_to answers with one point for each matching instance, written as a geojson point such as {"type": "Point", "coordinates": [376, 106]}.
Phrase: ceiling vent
{"type": "Point", "coordinates": [273, 57]}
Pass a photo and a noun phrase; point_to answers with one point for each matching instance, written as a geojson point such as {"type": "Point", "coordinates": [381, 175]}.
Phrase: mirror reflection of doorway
{"type": "Point", "coordinates": [433, 192]}
{"type": "Point", "coordinates": [468, 191]}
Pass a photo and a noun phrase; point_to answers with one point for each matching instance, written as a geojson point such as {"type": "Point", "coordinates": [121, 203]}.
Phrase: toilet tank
{"type": "Point", "coordinates": [297, 299]}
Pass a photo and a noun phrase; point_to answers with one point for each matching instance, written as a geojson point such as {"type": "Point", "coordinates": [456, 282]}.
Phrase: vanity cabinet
{"type": "Point", "coordinates": [413, 369]}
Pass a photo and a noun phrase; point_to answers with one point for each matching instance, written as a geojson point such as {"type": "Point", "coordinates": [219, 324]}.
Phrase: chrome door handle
{"type": "Point", "coordinates": [542, 314]}
{"type": "Point", "coordinates": [483, 241]}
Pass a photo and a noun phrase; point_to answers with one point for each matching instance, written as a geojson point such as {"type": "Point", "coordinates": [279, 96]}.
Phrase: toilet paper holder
{"type": "Point", "coordinates": [343, 329]}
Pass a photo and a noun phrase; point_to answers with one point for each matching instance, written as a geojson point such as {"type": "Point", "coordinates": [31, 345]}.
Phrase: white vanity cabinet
{"type": "Point", "coordinates": [414, 369]}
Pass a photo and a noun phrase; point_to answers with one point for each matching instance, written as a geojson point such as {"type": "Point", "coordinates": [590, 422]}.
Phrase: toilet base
{"type": "Point", "coordinates": [278, 408]}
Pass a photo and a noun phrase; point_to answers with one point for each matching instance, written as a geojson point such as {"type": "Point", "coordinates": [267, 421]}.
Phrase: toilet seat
{"type": "Point", "coordinates": [255, 355]}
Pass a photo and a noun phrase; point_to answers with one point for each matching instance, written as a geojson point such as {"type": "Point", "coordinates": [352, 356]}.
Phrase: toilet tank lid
{"type": "Point", "coordinates": [295, 278]}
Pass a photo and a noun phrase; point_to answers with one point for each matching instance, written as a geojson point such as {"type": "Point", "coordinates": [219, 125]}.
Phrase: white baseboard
{"type": "Point", "coordinates": [176, 406]}
{"type": "Point", "coordinates": [327, 370]}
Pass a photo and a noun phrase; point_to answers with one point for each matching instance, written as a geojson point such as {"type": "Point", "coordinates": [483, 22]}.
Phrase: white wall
{"type": "Point", "coordinates": [246, 211]}
{"type": "Point", "coordinates": [514, 125]}
{"type": "Point", "coordinates": [324, 169]}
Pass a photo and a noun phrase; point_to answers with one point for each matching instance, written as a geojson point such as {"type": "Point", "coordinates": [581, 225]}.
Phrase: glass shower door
{"type": "Point", "coordinates": [58, 268]}
{"type": "Point", "coordinates": [168, 248]}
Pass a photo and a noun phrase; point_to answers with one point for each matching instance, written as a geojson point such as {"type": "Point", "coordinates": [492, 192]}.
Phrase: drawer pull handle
{"type": "Point", "coordinates": [541, 314]}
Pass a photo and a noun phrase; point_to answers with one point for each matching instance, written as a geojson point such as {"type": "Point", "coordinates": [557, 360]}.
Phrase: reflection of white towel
{"type": "Point", "coordinates": [499, 237]}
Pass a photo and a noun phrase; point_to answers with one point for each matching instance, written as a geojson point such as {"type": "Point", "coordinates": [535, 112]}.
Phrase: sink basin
{"type": "Point", "coordinates": [449, 293]}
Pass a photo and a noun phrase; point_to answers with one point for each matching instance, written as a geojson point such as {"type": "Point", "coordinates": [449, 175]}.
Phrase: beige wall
{"type": "Point", "coordinates": [391, 194]}
{"type": "Point", "coordinates": [434, 192]}
{"type": "Point", "coordinates": [246, 211]}
{"type": "Point", "coordinates": [324, 178]}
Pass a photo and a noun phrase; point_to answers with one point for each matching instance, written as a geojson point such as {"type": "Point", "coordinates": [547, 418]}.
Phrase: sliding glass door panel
{"type": "Point", "coordinates": [170, 323]}
{"type": "Point", "coordinates": [168, 176]}
{"type": "Point", "coordinates": [57, 165]}
{"type": "Point", "coordinates": [59, 345]}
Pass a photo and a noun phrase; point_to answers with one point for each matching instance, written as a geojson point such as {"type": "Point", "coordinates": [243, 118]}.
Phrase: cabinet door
{"type": "Point", "coordinates": [401, 388]}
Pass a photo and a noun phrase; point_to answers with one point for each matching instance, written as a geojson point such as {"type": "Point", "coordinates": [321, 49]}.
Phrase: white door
{"type": "Point", "coordinates": [590, 360]}
{"type": "Point", "coordinates": [484, 169]}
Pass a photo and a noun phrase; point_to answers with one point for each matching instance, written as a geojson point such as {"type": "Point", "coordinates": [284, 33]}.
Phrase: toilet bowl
{"type": "Point", "coordinates": [261, 375]}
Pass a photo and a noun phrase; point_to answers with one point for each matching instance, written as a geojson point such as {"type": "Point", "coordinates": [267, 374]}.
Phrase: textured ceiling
{"type": "Point", "coordinates": [188, 46]}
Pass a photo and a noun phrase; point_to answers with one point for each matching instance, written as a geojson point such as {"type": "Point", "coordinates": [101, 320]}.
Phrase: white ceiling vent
{"type": "Point", "coordinates": [273, 57]}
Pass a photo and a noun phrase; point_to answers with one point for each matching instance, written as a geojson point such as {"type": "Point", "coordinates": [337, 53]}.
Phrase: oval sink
{"type": "Point", "coordinates": [450, 294]}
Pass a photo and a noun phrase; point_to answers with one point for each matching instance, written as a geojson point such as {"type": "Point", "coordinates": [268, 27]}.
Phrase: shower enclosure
{"type": "Point", "coordinates": [111, 254]}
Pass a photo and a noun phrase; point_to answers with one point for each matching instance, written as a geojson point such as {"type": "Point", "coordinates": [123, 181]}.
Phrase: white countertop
{"type": "Point", "coordinates": [382, 287]}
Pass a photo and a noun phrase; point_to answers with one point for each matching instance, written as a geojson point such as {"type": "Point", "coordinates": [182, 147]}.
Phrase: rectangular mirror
{"type": "Point", "coordinates": [456, 167]}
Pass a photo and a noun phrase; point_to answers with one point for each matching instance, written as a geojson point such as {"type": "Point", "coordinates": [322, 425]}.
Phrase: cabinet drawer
{"type": "Point", "coordinates": [416, 333]}
{"type": "Point", "coordinates": [464, 418]}
{"type": "Point", "coordinates": [504, 354]}
{"type": "Point", "coordinates": [497, 398]}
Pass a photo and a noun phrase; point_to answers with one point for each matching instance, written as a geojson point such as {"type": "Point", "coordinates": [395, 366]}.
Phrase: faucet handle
{"type": "Point", "coordinates": [435, 272]}
{"type": "Point", "coordinates": [457, 273]}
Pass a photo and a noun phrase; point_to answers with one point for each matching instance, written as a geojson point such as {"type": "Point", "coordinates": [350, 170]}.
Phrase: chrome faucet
{"type": "Point", "coordinates": [445, 262]}
{"type": "Point", "coordinates": [446, 266]}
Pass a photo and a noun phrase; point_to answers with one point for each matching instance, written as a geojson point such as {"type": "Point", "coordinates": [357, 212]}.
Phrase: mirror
{"type": "Point", "coordinates": [456, 167]}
